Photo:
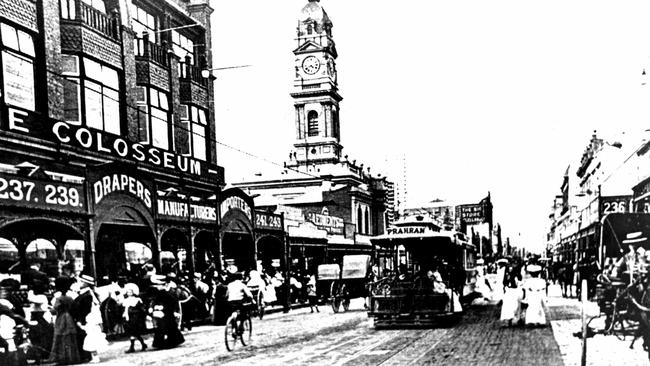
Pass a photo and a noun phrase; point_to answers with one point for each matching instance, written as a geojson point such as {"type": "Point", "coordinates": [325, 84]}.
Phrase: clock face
{"type": "Point", "coordinates": [311, 65]}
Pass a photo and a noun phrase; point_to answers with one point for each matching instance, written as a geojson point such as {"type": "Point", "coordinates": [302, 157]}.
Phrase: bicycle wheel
{"type": "Point", "coordinates": [246, 331]}
{"type": "Point", "coordinates": [230, 332]}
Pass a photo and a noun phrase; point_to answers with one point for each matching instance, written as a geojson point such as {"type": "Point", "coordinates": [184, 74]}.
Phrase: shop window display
{"type": "Point", "coordinates": [44, 252]}
{"type": "Point", "coordinates": [9, 257]}
{"type": "Point", "coordinates": [137, 255]}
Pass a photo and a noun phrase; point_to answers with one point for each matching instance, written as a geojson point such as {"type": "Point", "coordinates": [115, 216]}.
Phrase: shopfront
{"type": "Point", "coordinates": [187, 227]}
{"type": "Point", "coordinates": [42, 220]}
{"type": "Point", "coordinates": [236, 233]}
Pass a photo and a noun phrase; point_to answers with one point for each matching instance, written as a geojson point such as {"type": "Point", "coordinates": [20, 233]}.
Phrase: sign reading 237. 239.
{"type": "Point", "coordinates": [41, 194]}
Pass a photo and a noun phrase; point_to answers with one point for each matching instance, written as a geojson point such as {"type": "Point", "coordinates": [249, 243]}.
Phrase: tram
{"type": "Point", "coordinates": [423, 273]}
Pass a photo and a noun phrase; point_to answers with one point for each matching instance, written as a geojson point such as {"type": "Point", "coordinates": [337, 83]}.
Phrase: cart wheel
{"type": "Point", "coordinates": [346, 298]}
{"type": "Point", "coordinates": [260, 305]}
{"type": "Point", "coordinates": [336, 304]}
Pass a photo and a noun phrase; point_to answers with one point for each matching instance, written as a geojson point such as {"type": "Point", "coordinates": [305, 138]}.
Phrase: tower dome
{"type": "Point", "coordinates": [314, 12]}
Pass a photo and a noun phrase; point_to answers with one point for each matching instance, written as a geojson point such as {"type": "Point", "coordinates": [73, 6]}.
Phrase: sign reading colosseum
{"type": "Point", "coordinates": [101, 142]}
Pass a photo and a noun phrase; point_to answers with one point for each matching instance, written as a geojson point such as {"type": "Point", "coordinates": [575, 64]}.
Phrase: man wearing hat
{"type": "Point", "coordinates": [625, 267]}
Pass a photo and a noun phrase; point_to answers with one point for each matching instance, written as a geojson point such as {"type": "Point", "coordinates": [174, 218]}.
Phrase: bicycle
{"type": "Point", "coordinates": [239, 325]}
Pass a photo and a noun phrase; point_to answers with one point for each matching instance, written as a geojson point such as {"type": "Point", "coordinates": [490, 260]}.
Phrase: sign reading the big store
{"type": "Point", "coordinates": [24, 191]}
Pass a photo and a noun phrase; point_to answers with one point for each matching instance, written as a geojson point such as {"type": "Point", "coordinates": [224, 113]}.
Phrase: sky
{"type": "Point", "coordinates": [475, 96]}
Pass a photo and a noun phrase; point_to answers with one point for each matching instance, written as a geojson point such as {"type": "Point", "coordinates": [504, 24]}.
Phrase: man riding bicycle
{"type": "Point", "coordinates": [239, 295]}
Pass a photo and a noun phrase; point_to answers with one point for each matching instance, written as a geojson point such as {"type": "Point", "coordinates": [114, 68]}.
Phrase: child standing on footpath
{"type": "Point", "coordinates": [134, 316]}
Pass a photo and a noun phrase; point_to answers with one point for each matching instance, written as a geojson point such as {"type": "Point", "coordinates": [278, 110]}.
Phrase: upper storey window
{"type": "Point", "coordinates": [143, 21]}
{"type": "Point", "coordinates": [312, 123]}
{"type": "Point", "coordinates": [17, 59]}
{"type": "Point", "coordinates": [93, 88]}
{"type": "Point", "coordinates": [182, 46]}
{"type": "Point", "coordinates": [153, 117]}
{"type": "Point", "coordinates": [195, 122]}
{"type": "Point", "coordinates": [68, 7]}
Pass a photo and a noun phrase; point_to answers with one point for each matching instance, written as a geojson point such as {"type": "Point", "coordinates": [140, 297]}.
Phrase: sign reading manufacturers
{"type": "Point", "coordinates": [331, 224]}
{"type": "Point", "coordinates": [615, 204]}
{"type": "Point", "coordinates": [265, 220]}
{"type": "Point", "coordinates": [101, 142]}
{"type": "Point", "coordinates": [407, 230]}
{"type": "Point", "coordinates": [42, 194]}
{"type": "Point", "coordinates": [174, 209]}
{"type": "Point", "coordinates": [236, 202]}
{"type": "Point", "coordinates": [121, 183]}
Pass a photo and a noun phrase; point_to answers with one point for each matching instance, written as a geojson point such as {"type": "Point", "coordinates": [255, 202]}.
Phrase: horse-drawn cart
{"type": "Point", "coordinates": [346, 283]}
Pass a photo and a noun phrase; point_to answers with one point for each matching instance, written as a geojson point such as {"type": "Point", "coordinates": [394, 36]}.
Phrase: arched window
{"type": "Point", "coordinates": [366, 222]}
{"type": "Point", "coordinates": [312, 123]}
{"type": "Point", "coordinates": [359, 220]}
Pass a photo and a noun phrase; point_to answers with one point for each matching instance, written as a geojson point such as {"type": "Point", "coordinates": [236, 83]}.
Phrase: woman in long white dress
{"type": "Point", "coordinates": [535, 296]}
{"type": "Point", "coordinates": [511, 305]}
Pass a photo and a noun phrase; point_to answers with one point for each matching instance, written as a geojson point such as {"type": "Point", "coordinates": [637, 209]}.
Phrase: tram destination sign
{"type": "Point", "coordinates": [615, 204]}
{"type": "Point", "coordinates": [42, 194]}
{"type": "Point", "coordinates": [407, 230]}
{"type": "Point", "coordinates": [181, 210]}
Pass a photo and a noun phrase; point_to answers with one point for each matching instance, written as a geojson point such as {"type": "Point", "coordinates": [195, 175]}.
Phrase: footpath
{"type": "Point", "coordinates": [564, 315]}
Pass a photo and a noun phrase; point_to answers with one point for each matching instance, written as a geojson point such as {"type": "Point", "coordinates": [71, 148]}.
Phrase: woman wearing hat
{"type": "Point", "coordinates": [65, 349]}
{"type": "Point", "coordinates": [40, 334]}
{"type": "Point", "coordinates": [534, 296]}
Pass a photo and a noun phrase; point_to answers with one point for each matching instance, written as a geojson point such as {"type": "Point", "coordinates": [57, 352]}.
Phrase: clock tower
{"type": "Point", "coordinates": [315, 90]}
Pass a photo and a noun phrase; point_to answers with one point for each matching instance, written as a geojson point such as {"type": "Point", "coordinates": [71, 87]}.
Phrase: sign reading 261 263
{"type": "Point", "coordinates": [35, 193]}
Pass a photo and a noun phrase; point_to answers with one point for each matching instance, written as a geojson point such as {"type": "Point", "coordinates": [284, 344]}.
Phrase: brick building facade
{"type": "Point", "coordinates": [107, 149]}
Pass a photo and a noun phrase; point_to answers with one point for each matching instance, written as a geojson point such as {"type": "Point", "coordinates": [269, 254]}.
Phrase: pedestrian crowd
{"type": "Point", "coordinates": [520, 286]}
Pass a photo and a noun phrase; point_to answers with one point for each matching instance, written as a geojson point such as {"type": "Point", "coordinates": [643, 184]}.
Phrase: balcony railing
{"type": "Point", "coordinates": [107, 25]}
{"type": "Point", "coordinates": [154, 52]}
{"type": "Point", "coordinates": [187, 71]}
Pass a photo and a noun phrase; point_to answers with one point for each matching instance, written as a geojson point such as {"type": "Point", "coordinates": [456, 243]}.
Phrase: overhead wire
{"type": "Point", "coordinates": [177, 126]}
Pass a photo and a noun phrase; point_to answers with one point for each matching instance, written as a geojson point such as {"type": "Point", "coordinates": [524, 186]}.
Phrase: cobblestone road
{"type": "Point", "coordinates": [302, 338]}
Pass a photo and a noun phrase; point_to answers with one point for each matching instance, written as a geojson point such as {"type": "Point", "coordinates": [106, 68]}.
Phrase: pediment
{"type": "Point", "coordinates": [308, 47]}
{"type": "Point", "coordinates": [126, 215]}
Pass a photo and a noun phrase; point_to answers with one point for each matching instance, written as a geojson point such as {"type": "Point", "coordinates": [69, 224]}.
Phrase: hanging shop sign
{"type": "Point", "coordinates": [269, 221]}
{"type": "Point", "coordinates": [471, 214]}
{"type": "Point", "coordinates": [331, 224]}
{"type": "Point", "coordinates": [290, 213]}
{"type": "Point", "coordinates": [177, 209]}
{"type": "Point", "coordinates": [35, 193]}
{"type": "Point", "coordinates": [236, 202]}
{"type": "Point", "coordinates": [615, 204]}
{"type": "Point", "coordinates": [98, 141]}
